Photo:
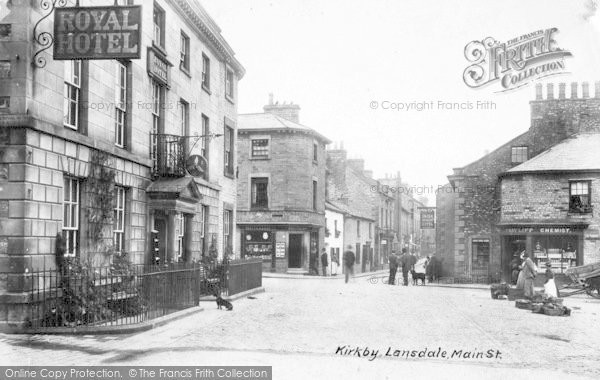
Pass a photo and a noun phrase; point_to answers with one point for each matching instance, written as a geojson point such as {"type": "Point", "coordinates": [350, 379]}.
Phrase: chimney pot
{"type": "Point", "coordinates": [270, 98]}
{"type": "Point", "coordinates": [597, 90]}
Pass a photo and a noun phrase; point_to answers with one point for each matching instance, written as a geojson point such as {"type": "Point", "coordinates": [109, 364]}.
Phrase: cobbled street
{"type": "Point", "coordinates": [297, 326]}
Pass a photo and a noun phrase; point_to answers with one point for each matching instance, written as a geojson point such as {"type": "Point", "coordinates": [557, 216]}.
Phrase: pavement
{"type": "Point", "coordinates": [312, 328]}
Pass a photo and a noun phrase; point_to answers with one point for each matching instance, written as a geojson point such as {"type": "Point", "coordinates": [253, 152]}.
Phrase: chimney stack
{"type": "Point", "coordinates": [286, 111]}
{"type": "Point", "coordinates": [358, 164]}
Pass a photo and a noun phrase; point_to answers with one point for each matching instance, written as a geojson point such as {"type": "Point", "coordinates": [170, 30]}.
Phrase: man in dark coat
{"type": "Point", "coordinates": [324, 262]}
{"type": "Point", "coordinates": [393, 267]}
{"type": "Point", "coordinates": [406, 265]}
{"type": "Point", "coordinates": [349, 262]}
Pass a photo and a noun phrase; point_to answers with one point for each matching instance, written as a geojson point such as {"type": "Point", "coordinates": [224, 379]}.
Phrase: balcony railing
{"type": "Point", "coordinates": [168, 155]}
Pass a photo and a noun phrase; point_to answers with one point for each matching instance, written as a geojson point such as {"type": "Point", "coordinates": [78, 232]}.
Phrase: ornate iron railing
{"type": "Point", "coordinates": [168, 155]}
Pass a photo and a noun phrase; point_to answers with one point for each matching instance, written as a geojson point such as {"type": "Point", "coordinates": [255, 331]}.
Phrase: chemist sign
{"type": "Point", "coordinates": [97, 32]}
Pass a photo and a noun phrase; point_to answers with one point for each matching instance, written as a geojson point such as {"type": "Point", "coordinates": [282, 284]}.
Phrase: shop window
{"type": "Point", "coordinates": [579, 197]}
{"type": "Point", "coordinates": [259, 193]}
{"type": "Point", "coordinates": [258, 244]}
{"type": "Point", "coordinates": [70, 229]}
{"type": "Point", "coordinates": [518, 154]}
{"type": "Point", "coordinates": [560, 251]}
{"type": "Point", "coordinates": [480, 253]}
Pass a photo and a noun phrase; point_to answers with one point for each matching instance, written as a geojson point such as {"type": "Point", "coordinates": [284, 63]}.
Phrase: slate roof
{"type": "Point", "coordinates": [580, 152]}
{"type": "Point", "coordinates": [268, 121]}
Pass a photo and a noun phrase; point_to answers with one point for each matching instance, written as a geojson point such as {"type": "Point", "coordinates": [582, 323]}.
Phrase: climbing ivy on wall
{"type": "Point", "coordinates": [100, 188]}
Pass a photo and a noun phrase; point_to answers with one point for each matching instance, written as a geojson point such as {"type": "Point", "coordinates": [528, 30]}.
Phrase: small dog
{"type": "Point", "coordinates": [418, 276]}
{"type": "Point", "coordinates": [223, 302]}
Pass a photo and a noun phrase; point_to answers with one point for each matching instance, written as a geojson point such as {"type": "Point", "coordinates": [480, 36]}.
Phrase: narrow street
{"type": "Point", "coordinates": [298, 325]}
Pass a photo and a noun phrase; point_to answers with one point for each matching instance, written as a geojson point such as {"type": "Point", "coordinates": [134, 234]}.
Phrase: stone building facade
{"type": "Point", "coordinates": [471, 240]}
{"type": "Point", "coordinates": [281, 189]}
{"type": "Point", "coordinates": [95, 150]}
{"type": "Point", "coordinates": [548, 205]}
{"type": "Point", "coordinates": [367, 204]}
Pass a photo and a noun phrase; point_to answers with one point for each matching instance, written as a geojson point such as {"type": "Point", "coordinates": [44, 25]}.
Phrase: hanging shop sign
{"type": "Point", "coordinates": [158, 67]}
{"type": "Point", "coordinates": [427, 218]}
{"type": "Point", "coordinates": [196, 165]}
{"type": "Point", "coordinates": [97, 32]}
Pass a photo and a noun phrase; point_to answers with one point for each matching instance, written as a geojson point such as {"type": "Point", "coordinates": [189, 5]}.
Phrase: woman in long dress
{"type": "Point", "coordinates": [529, 272]}
{"type": "Point", "coordinates": [521, 278]}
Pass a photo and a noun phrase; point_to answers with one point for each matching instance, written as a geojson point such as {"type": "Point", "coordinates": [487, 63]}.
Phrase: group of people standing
{"type": "Point", "coordinates": [524, 272]}
{"type": "Point", "coordinates": [408, 262]}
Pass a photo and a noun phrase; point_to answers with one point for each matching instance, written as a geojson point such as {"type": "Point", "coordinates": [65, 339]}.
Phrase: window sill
{"type": "Point", "coordinates": [575, 212]}
{"type": "Point", "coordinates": [229, 175]}
{"type": "Point", "coordinates": [206, 89]}
{"type": "Point", "coordinates": [185, 71]}
{"type": "Point", "coordinates": [229, 99]}
{"type": "Point", "coordinates": [259, 208]}
{"type": "Point", "coordinates": [259, 158]}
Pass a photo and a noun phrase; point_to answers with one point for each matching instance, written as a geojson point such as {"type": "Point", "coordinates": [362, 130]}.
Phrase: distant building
{"type": "Point", "coordinates": [474, 223]}
{"type": "Point", "coordinates": [368, 224]}
{"type": "Point", "coordinates": [406, 214]}
{"type": "Point", "coordinates": [334, 235]}
{"type": "Point", "coordinates": [281, 189]}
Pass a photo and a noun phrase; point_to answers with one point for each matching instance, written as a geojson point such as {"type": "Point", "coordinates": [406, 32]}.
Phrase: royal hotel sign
{"type": "Point", "coordinates": [97, 32]}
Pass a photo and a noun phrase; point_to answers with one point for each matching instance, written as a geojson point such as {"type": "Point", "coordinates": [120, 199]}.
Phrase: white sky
{"type": "Point", "coordinates": [333, 57]}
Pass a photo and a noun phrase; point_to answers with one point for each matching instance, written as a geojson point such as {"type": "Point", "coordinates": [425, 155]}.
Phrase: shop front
{"type": "Point", "coordinates": [282, 248]}
{"type": "Point", "coordinates": [560, 245]}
